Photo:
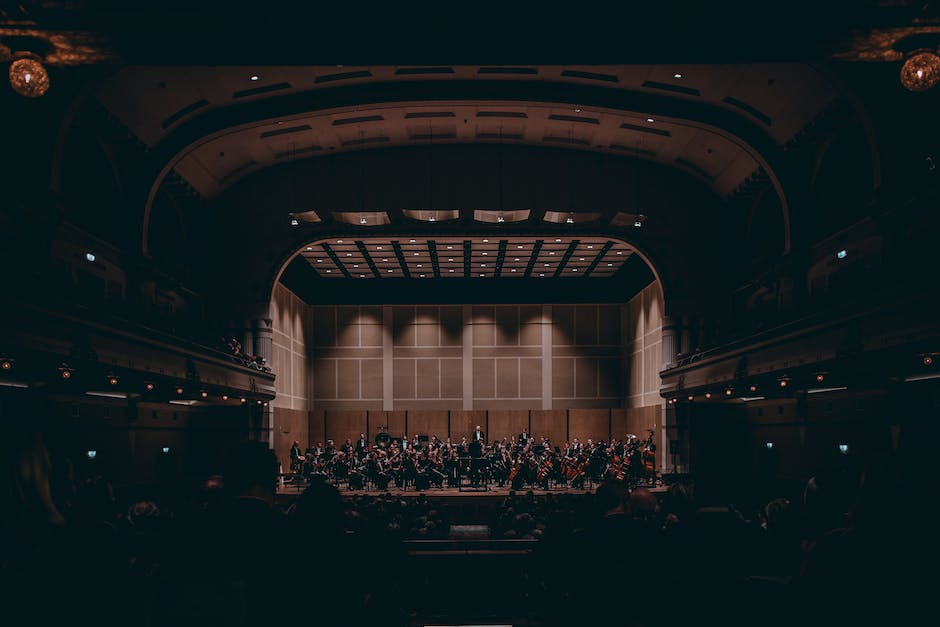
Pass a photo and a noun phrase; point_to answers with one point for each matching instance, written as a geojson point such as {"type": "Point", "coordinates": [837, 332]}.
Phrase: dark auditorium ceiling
{"type": "Point", "coordinates": [155, 102]}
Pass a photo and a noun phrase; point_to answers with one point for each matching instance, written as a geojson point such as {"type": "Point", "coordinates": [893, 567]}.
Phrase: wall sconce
{"type": "Point", "coordinates": [28, 76]}
{"type": "Point", "coordinates": [921, 70]}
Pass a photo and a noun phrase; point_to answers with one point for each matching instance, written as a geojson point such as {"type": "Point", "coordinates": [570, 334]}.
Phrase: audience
{"type": "Point", "coordinates": [229, 554]}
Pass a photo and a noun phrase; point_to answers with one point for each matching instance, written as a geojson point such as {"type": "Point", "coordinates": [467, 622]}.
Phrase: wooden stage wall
{"type": "Point", "coordinates": [559, 425]}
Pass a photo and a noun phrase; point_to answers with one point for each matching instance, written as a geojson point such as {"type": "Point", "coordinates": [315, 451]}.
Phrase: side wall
{"type": "Point", "coordinates": [291, 325]}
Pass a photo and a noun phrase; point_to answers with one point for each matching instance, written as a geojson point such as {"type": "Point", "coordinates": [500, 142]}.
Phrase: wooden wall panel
{"type": "Point", "coordinates": [639, 420]}
{"type": "Point", "coordinates": [589, 423]}
{"type": "Point", "coordinates": [506, 423]}
{"type": "Point", "coordinates": [342, 424]}
{"type": "Point", "coordinates": [552, 423]}
{"type": "Point", "coordinates": [427, 422]}
{"type": "Point", "coordinates": [463, 422]}
{"type": "Point", "coordinates": [393, 421]}
{"type": "Point", "coordinates": [317, 427]}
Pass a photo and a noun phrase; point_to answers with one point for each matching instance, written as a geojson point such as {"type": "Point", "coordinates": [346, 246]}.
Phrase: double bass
{"type": "Point", "coordinates": [649, 455]}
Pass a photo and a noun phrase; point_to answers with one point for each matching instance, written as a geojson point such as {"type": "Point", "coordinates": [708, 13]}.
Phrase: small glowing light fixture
{"type": "Point", "coordinates": [784, 381]}
{"type": "Point", "coordinates": [149, 387]}
{"type": "Point", "coordinates": [363, 221]}
{"type": "Point", "coordinates": [842, 254]}
{"type": "Point", "coordinates": [708, 394]}
{"type": "Point", "coordinates": [28, 76]}
{"type": "Point", "coordinates": [920, 71]}
{"type": "Point", "coordinates": [650, 120]}
{"type": "Point", "coordinates": [6, 364]}
{"type": "Point", "coordinates": [691, 397]}
{"type": "Point", "coordinates": [65, 371]}
{"type": "Point", "coordinates": [112, 380]}
{"type": "Point", "coordinates": [225, 397]}
{"type": "Point", "coordinates": [500, 217]}
{"type": "Point", "coordinates": [927, 359]}
{"type": "Point", "coordinates": [294, 221]}
{"type": "Point", "coordinates": [254, 77]}
{"type": "Point", "coordinates": [769, 445]}
{"type": "Point", "coordinates": [179, 391]}
{"type": "Point", "coordinates": [243, 400]}
{"type": "Point", "coordinates": [432, 219]}
{"type": "Point", "coordinates": [166, 449]}
{"type": "Point", "coordinates": [753, 387]}
{"type": "Point", "coordinates": [258, 401]}
{"type": "Point", "coordinates": [820, 377]}
{"type": "Point", "coordinates": [90, 257]}
{"type": "Point", "coordinates": [844, 449]}
{"type": "Point", "coordinates": [677, 75]}
{"type": "Point", "coordinates": [729, 391]}
{"type": "Point", "coordinates": [569, 219]}
{"type": "Point", "coordinates": [91, 454]}
{"type": "Point", "coordinates": [204, 394]}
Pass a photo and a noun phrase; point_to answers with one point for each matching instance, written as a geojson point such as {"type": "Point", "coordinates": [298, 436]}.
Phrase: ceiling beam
{"type": "Point", "coordinates": [401, 259]}
{"type": "Point", "coordinates": [534, 258]}
{"type": "Point", "coordinates": [500, 257]}
{"type": "Point", "coordinates": [432, 248]}
{"type": "Point", "coordinates": [564, 260]}
{"type": "Point", "coordinates": [598, 258]}
{"type": "Point", "coordinates": [365, 253]}
{"type": "Point", "coordinates": [339, 263]}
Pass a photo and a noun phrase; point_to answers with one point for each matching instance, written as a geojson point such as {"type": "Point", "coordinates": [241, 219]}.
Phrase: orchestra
{"type": "Point", "coordinates": [514, 461]}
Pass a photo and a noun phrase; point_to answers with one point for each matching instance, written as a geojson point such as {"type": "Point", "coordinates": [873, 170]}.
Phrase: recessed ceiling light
{"type": "Point", "coordinates": [254, 77]}
{"type": "Point", "coordinates": [363, 221]}
{"type": "Point", "coordinates": [355, 265]}
{"type": "Point", "coordinates": [450, 248]}
{"type": "Point", "coordinates": [557, 240]}
{"type": "Point", "coordinates": [485, 254]}
{"type": "Point", "coordinates": [416, 254]}
{"type": "Point", "coordinates": [362, 276]}
{"type": "Point", "coordinates": [309, 248]}
{"type": "Point", "coordinates": [551, 252]}
{"type": "Point", "coordinates": [339, 241]}
{"type": "Point", "coordinates": [391, 271]}
{"type": "Point", "coordinates": [677, 75]}
{"type": "Point", "coordinates": [619, 252]}
{"type": "Point", "coordinates": [482, 265]}
{"type": "Point", "coordinates": [451, 270]}
{"type": "Point", "coordinates": [486, 241]}
{"type": "Point", "coordinates": [513, 270]}
{"type": "Point", "coordinates": [650, 120]}
{"type": "Point", "coordinates": [577, 110]}
{"type": "Point", "coordinates": [541, 274]}
{"type": "Point", "coordinates": [411, 241]}
{"type": "Point", "coordinates": [420, 265]}
{"type": "Point", "coordinates": [481, 274]}
{"type": "Point", "coordinates": [547, 264]}
{"type": "Point", "coordinates": [519, 246]}
{"type": "Point", "coordinates": [349, 254]}
{"type": "Point", "coordinates": [319, 261]}
{"type": "Point", "coordinates": [517, 259]}
{"type": "Point", "coordinates": [431, 219]}
{"type": "Point", "coordinates": [385, 261]}
{"type": "Point", "coordinates": [590, 246]}
{"type": "Point", "coordinates": [581, 258]}
{"type": "Point", "coordinates": [422, 276]}
{"type": "Point", "coordinates": [450, 260]}
{"type": "Point", "coordinates": [574, 269]}
{"type": "Point", "coordinates": [610, 265]}
{"type": "Point", "coordinates": [378, 248]}
{"type": "Point", "coordinates": [328, 271]}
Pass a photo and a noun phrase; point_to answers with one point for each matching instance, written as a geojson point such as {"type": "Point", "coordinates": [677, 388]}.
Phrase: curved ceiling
{"type": "Point", "coordinates": [154, 102]}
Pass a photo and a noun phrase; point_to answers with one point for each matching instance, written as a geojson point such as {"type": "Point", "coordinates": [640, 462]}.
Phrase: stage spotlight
{"type": "Point", "coordinates": [769, 445]}
{"type": "Point", "coordinates": [90, 257]}
{"type": "Point", "coordinates": [844, 449]}
{"type": "Point", "coordinates": [91, 454]}
{"type": "Point", "coordinates": [294, 221]}
{"type": "Point", "coordinates": [166, 450]}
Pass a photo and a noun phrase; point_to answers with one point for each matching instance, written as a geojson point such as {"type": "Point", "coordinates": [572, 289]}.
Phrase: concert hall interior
{"type": "Point", "coordinates": [533, 314]}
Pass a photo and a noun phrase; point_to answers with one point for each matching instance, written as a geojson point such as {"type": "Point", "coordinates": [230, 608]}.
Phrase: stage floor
{"type": "Point", "coordinates": [493, 491]}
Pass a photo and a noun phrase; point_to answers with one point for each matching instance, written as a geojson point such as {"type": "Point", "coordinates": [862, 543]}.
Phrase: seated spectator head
{"type": "Point", "coordinates": [643, 504]}
{"type": "Point", "coordinates": [28, 498]}
{"type": "Point", "coordinates": [94, 500]}
{"type": "Point", "coordinates": [320, 509]}
{"type": "Point", "coordinates": [610, 498]}
{"type": "Point", "coordinates": [251, 471]}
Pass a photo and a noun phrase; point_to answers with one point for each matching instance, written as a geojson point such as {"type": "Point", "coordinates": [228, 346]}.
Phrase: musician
{"type": "Point", "coordinates": [362, 445]}
{"type": "Point", "coordinates": [296, 460]}
{"type": "Point", "coordinates": [347, 446]}
{"type": "Point", "coordinates": [330, 449]}
{"type": "Point", "coordinates": [524, 436]}
{"type": "Point", "coordinates": [478, 435]}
